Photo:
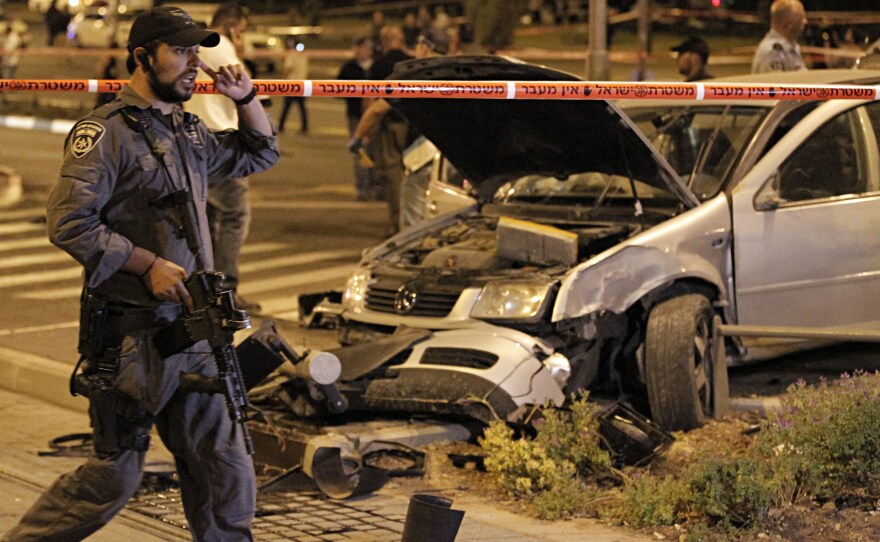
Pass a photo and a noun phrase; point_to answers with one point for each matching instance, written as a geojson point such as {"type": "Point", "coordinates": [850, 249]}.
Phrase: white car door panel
{"type": "Point", "coordinates": [810, 256]}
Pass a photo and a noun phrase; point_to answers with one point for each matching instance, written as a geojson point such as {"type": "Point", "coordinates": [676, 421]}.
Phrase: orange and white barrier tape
{"type": "Point", "coordinates": [494, 90]}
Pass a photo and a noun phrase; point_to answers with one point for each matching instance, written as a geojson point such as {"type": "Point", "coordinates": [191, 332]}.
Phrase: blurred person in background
{"type": "Point", "coordinates": [229, 208]}
{"type": "Point", "coordinates": [693, 55]}
{"type": "Point", "coordinates": [377, 21]}
{"type": "Point", "coordinates": [385, 129]}
{"type": "Point", "coordinates": [411, 30]}
{"type": "Point", "coordinates": [779, 51]}
{"type": "Point", "coordinates": [424, 19]}
{"type": "Point", "coordinates": [11, 50]}
{"type": "Point", "coordinates": [56, 21]}
{"type": "Point", "coordinates": [356, 69]}
{"type": "Point", "coordinates": [109, 67]}
{"type": "Point", "coordinates": [296, 68]}
{"type": "Point", "coordinates": [392, 138]}
{"type": "Point", "coordinates": [414, 187]}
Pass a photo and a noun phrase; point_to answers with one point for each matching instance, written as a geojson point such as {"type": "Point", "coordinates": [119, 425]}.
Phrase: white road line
{"type": "Point", "coordinates": [317, 276]}
{"type": "Point", "coordinates": [20, 227]}
{"type": "Point", "coordinates": [39, 277]}
{"type": "Point", "coordinates": [256, 248]}
{"type": "Point", "coordinates": [23, 214]}
{"type": "Point", "coordinates": [319, 205]}
{"type": "Point", "coordinates": [71, 292]}
{"type": "Point", "coordinates": [263, 285]}
{"type": "Point", "coordinates": [59, 256]}
{"type": "Point", "coordinates": [279, 305]}
{"type": "Point", "coordinates": [292, 315]}
{"type": "Point", "coordinates": [31, 242]}
{"type": "Point", "coordinates": [35, 259]}
{"type": "Point", "coordinates": [296, 259]}
{"type": "Point", "coordinates": [37, 329]}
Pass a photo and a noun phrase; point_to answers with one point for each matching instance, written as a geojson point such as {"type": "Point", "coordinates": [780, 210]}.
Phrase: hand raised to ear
{"type": "Point", "coordinates": [231, 80]}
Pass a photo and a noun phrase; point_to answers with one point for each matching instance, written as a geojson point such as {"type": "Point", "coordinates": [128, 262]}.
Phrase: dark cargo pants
{"type": "Point", "coordinates": [217, 480]}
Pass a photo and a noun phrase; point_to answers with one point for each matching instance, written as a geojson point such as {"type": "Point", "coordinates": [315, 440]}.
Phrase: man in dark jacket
{"type": "Point", "coordinates": [693, 55]}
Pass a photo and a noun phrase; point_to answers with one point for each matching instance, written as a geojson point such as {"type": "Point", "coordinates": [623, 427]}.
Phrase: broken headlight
{"type": "Point", "coordinates": [520, 300]}
{"type": "Point", "coordinates": [356, 290]}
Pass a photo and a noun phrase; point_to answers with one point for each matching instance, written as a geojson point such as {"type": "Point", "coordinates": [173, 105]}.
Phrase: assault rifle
{"type": "Point", "coordinates": [214, 319]}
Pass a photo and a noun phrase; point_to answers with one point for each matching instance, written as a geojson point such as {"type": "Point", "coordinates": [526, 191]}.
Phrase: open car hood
{"type": "Point", "coordinates": [491, 141]}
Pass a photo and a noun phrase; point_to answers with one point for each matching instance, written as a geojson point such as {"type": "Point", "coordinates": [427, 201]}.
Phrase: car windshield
{"type": "Point", "coordinates": [701, 143]}
{"type": "Point", "coordinates": [580, 188]}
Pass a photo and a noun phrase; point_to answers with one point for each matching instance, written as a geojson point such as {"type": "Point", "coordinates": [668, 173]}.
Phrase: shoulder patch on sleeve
{"type": "Point", "coordinates": [86, 134]}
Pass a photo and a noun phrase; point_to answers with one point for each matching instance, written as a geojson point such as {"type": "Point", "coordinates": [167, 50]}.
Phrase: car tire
{"type": "Point", "coordinates": [678, 362]}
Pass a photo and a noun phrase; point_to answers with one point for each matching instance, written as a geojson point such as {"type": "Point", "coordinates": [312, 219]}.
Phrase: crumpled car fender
{"type": "Point", "coordinates": [695, 244]}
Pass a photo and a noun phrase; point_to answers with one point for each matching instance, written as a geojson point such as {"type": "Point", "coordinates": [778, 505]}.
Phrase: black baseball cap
{"type": "Point", "coordinates": [693, 44]}
{"type": "Point", "coordinates": [170, 25]}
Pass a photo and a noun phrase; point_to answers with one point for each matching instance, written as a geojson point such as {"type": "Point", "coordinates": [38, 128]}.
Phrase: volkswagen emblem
{"type": "Point", "coordinates": [405, 300]}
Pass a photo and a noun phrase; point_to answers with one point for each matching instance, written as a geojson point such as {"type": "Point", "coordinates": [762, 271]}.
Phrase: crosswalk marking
{"type": "Point", "coordinates": [20, 227]}
{"type": "Point", "coordinates": [324, 205]}
{"type": "Point", "coordinates": [256, 248]}
{"type": "Point", "coordinates": [30, 242]}
{"type": "Point", "coordinates": [52, 294]}
{"type": "Point", "coordinates": [40, 277]}
{"type": "Point", "coordinates": [297, 279]}
{"type": "Point", "coordinates": [296, 259]}
{"type": "Point", "coordinates": [278, 292]}
{"type": "Point", "coordinates": [28, 213]}
{"type": "Point", "coordinates": [247, 288]}
{"type": "Point", "coordinates": [34, 259]}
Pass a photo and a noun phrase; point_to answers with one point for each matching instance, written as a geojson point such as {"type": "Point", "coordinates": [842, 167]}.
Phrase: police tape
{"type": "Point", "coordinates": [494, 90]}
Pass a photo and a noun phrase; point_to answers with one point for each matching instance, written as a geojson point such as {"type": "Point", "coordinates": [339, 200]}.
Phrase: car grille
{"type": "Point", "coordinates": [405, 299]}
{"type": "Point", "coordinates": [459, 357]}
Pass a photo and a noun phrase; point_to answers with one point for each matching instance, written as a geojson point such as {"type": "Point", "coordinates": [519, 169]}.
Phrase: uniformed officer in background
{"type": "Point", "coordinates": [779, 51]}
{"type": "Point", "coordinates": [107, 211]}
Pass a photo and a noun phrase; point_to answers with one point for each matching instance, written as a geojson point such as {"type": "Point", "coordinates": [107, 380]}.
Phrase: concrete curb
{"type": "Point", "coordinates": [38, 377]}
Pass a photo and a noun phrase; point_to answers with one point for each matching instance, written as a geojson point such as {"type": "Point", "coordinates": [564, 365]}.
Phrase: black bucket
{"type": "Point", "coordinates": [430, 517]}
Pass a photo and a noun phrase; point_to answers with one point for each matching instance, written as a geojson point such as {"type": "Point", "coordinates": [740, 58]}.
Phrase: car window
{"type": "Point", "coordinates": [702, 144]}
{"type": "Point", "coordinates": [788, 122]}
{"type": "Point", "coordinates": [831, 162]}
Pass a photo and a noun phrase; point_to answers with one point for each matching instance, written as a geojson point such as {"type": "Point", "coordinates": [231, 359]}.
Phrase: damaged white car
{"type": "Point", "coordinates": [607, 243]}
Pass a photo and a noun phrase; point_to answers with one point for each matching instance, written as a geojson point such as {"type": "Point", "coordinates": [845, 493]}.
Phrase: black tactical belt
{"type": "Point", "coordinates": [122, 321]}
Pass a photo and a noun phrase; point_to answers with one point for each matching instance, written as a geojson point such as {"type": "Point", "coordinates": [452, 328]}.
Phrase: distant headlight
{"type": "Point", "coordinates": [519, 300]}
{"type": "Point", "coordinates": [355, 293]}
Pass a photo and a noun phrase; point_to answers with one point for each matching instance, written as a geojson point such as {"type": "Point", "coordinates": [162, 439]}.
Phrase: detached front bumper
{"type": "Point", "coordinates": [486, 374]}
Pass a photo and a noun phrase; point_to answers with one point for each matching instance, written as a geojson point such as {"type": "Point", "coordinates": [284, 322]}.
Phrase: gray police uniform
{"type": "Point", "coordinates": [776, 54]}
{"type": "Point", "coordinates": [101, 207]}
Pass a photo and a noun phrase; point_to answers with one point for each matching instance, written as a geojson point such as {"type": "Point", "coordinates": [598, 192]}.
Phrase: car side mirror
{"type": "Point", "coordinates": [768, 198]}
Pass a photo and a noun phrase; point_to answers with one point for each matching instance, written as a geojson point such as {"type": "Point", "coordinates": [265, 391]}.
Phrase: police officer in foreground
{"type": "Point", "coordinates": [779, 51]}
{"type": "Point", "coordinates": [110, 210]}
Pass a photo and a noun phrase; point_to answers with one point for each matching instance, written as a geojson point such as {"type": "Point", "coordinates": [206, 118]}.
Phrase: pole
{"type": "Point", "coordinates": [597, 67]}
{"type": "Point", "coordinates": [644, 38]}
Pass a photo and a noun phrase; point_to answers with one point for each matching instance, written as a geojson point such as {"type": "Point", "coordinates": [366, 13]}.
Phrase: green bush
{"type": "Point", "coordinates": [649, 501]}
{"type": "Point", "coordinates": [548, 471]}
{"type": "Point", "coordinates": [732, 493]}
{"type": "Point", "coordinates": [825, 441]}
{"type": "Point", "coordinates": [823, 444]}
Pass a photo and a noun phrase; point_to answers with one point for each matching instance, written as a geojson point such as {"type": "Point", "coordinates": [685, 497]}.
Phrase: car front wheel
{"type": "Point", "coordinates": [679, 362]}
